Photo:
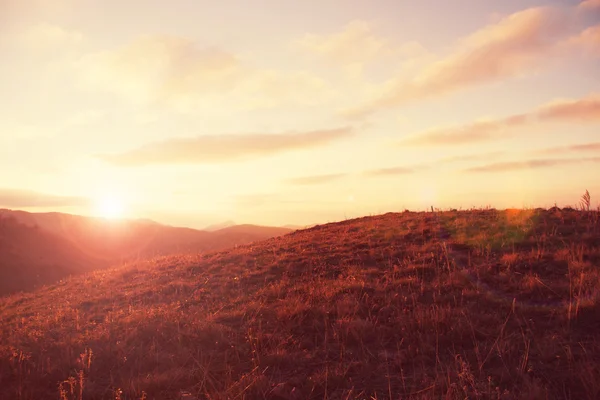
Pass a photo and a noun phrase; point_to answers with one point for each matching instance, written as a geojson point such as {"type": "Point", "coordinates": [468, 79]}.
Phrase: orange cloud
{"type": "Point", "coordinates": [16, 198]}
{"type": "Point", "coordinates": [221, 148]}
{"type": "Point", "coordinates": [316, 179]}
{"type": "Point", "coordinates": [586, 109]}
{"type": "Point", "coordinates": [511, 47]}
{"type": "Point", "coordinates": [531, 164]}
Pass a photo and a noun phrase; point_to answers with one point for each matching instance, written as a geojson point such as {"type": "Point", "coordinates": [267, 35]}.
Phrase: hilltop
{"type": "Point", "coordinates": [479, 304]}
{"type": "Point", "coordinates": [41, 248]}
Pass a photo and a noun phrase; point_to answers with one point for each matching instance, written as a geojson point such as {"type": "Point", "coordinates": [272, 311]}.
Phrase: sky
{"type": "Point", "coordinates": [275, 112]}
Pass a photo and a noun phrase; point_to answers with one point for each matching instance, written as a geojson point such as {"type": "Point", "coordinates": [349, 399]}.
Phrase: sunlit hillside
{"type": "Point", "coordinates": [478, 304]}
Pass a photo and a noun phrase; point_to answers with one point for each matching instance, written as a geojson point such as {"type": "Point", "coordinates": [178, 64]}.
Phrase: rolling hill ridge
{"type": "Point", "coordinates": [480, 304]}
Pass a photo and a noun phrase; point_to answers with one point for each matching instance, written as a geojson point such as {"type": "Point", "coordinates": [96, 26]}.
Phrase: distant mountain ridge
{"type": "Point", "coordinates": [221, 225]}
{"type": "Point", "coordinates": [229, 224]}
{"type": "Point", "coordinates": [38, 248]}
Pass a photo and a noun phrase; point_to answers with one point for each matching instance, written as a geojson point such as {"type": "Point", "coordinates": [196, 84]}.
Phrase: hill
{"type": "Point", "coordinates": [30, 257]}
{"type": "Point", "coordinates": [479, 304]}
{"type": "Point", "coordinates": [216, 227]}
{"type": "Point", "coordinates": [54, 245]}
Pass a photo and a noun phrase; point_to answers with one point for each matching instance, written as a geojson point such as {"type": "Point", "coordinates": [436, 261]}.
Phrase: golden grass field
{"type": "Point", "coordinates": [476, 304]}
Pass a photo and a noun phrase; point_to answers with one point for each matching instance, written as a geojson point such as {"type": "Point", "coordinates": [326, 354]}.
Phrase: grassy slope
{"type": "Point", "coordinates": [478, 304]}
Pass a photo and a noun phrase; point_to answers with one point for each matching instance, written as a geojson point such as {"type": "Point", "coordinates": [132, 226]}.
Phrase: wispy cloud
{"type": "Point", "coordinates": [393, 171]}
{"type": "Point", "coordinates": [478, 131]}
{"type": "Point", "coordinates": [222, 148]}
{"type": "Point", "coordinates": [315, 179]}
{"type": "Point", "coordinates": [175, 72]}
{"type": "Point", "coordinates": [355, 43]}
{"type": "Point", "coordinates": [585, 147]}
{"type": "Point", "coordinates": [16, 198]}
{"type": "Point", "coordinates": [532, 164]}
{"type": "Point", "coordinates": [153, 68]}
{"type": "Point", "coordinates": [470, 157]}
{"type": "Point", "coordinates": [586, 109]}
{"type": "Point", "coordinates": [583, 110]}
{"type": "Point", "coordinates": [358, 44]}
{"type": "Point", "coordinates": [514, 46]}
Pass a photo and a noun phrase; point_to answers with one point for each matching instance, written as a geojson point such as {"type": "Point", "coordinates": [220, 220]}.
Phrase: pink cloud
{"type": "Point", "coordinates": [588, 41]}
{"type": "Point", "coordinates": [532, 164]}
{"type": "Point", "coordinates": [586, 109]}
{"type": "Point", "coordinates": [589, 4]}
{"type": "Point", "coordinates": [512, 47]}
{"type": "Point", "coordinates": [585, 147]}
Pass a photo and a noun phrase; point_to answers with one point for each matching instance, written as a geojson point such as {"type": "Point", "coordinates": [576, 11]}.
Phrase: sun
{"type": "Point", "coordinates": [110, 207]}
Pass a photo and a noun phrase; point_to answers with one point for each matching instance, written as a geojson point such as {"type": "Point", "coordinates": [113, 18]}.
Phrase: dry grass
{"type": "Point", "coordinates": [478, 304]}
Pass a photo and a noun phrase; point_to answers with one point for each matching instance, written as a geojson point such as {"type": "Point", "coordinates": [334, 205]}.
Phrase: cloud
{"type": "Point", "coordinates": [316, 179]}
{"type": "Point", "coordinates": [174, 71]}
{"type": "Point", "coordinates": [356, 44]}
{"type": "Point", "coordinates": [475, 132]}
{"type": "Point", "coordinates": [470, 157]}
{"type": "Point", "coordinates": [152, 68]}
{"type": "Point", "coordinates": [585, 147]}
{"type": "Point", "coordinates": [512, 47]}
{"type": "Point", "coordinates": [48, 35]}
{"type": "Point", "coordinates": [589, 4]}
{"type": "Point", "coordinates": [532, 164]}
{"type": "Point", "coordinates": [586, 109]}
{"type": "Point", "coordinates": [271, 88]}
{"type": "Point", "coordinates": [587, 41]}
{"type": "Point", "coordinates": [391, 171]}
{"type": "Point", "coordinates": [15, 198]}
{"type": "Point", "coordinates": [41, 40]}
{"type": "Point", "coordinates": [221, 148]}
{"type": "Point", "coordinates": [12, 11]}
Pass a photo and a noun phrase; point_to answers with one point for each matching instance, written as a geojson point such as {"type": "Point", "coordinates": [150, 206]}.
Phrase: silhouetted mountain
{"type": "Point", "coordinates": [71, 244]}
{"type": "Point", "coordinates": [30, 256]}
{"type": "Point", "coordinates": [216, 227]}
